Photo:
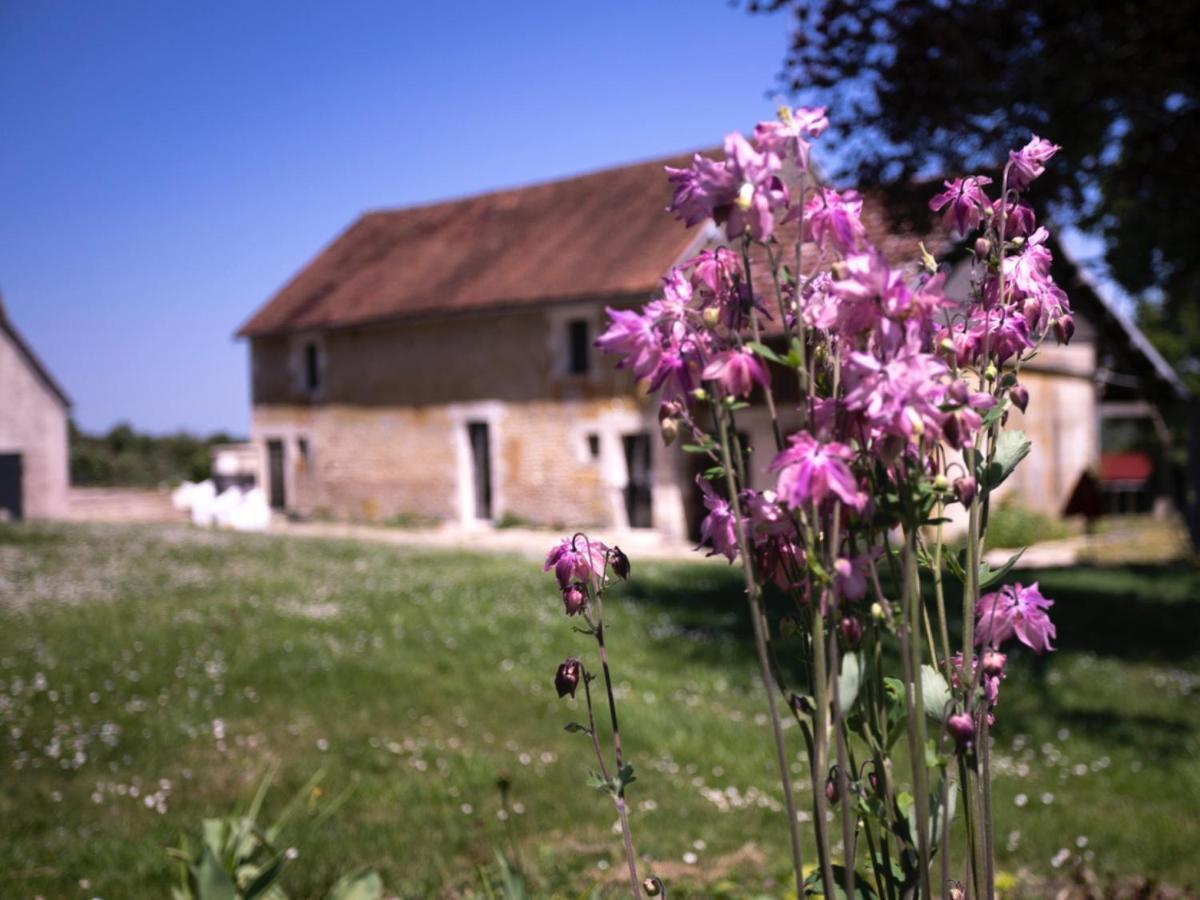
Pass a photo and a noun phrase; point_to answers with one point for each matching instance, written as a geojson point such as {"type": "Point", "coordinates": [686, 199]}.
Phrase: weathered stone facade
{"type": "Point", "coordinates": [33, 428]}
{"type": "Point", "coordinates": [385, 432]}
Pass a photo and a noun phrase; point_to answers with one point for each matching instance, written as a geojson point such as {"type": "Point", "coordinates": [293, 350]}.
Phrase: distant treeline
{"type": "Point", "coordinates": [127, 458]}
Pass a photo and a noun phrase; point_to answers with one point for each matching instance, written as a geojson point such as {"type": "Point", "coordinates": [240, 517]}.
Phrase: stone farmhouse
{"type": "Point", "coordinates": [435, 363]}
{"type": "Point", "coordinates": [33, 432]}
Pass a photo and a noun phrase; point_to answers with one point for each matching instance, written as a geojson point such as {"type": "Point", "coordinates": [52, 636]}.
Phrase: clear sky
{"type": "Point", "coordinates": [165, 167]}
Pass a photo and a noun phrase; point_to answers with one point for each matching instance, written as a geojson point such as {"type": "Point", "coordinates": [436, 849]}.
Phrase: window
{"type": "Point", "coordinates": [593, 445]}
{"type": "Point", "coordinates": [578, 347]}
{"type": "Point", "coordinates": [312, 367]}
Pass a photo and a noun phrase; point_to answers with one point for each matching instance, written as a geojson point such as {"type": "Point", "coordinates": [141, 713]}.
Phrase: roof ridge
{"type": "Point", "coordinates": [531, 185]}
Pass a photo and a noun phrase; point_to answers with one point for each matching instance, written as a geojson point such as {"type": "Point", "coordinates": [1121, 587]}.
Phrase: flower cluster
{"type": "Point", "coordinates": [886, 394]}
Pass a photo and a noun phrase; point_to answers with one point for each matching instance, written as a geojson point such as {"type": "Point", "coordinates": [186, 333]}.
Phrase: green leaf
{"type": "Point", "coordinates": [208, 880]}
{"type": "Point", "coordinates": [935, 693]}
{"type": "Point", "coordinates": [576, 728]}
{"type": "Point", "coordinates": [1011, 448]}
{"type": "Point", "coordinates": [987, 577]}
{"type": "Point", "coordinates": [849, 681]}
{"type": "Point", "coordinates": [625, 777]}
{"type": "Point", "coordinates": [362, 886]}
{"type": "Point", "coordinates": [954, 562]}
{"type": "Point", "coordinates": [761, 349]}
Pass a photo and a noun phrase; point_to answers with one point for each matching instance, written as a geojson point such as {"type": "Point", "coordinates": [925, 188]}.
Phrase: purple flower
{"type": "Point", "coordinates": [574, 599]}
{"type": "Point", "coordinates": [576, 560]}
{"type": "Point", "coordinates": [737, 371]}
{"type": "Point", "coordinates": [962, 728]}
{"type": "Point", "coordinates": [785, 137]}
{"type": "Point", "coordinates": [1029, 162]}
{"type": "Point", "coordinates": [810, 471]}
{"type": "Point", "coordinates": [719, 527]}
{"type": "Point", "coordinates": [850, 576]}
{"type": "Point", "coordinates": [631, 336]}
{"type": "Point", "coordinates": [742, 191]}
{"type": "Point", "coordinates": [1017, 611]}
{"type": "Point", "coordinates": [965, 203]}
{"type": "Point", "coordinates": [566, 679]}
{"type": "Point", "coordinates": [833, 218]}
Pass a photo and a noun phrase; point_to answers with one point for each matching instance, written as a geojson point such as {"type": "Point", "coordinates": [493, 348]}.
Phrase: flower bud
{"type": "Point", "coordinates": [802, 703]}
{"type": "Point", "coordinates": [669, 429]}
{"type": "Point", "coordinates": [928, 263]}
{"type": "Point", "coordinates": [711, 316]}
{"type": "Point", "coordinates": [652, 886]}
{"type": "Point", "coordinates": [956, 892]}
{"type": "Point", "coordinates": [873, 781]}
{"type": "Point", "coordinates": [962, 728]}
{"type": "Point", "coordinates": [566, 680]}
{"type": "Point", "coordinates": [833, 790]}
{"type": "Point", "coordinates": [851, 630]}
{"type": "Point", "coordinates": [941, 482]}
{"type": "Point", "coordinates": [574, 599]}
{"type": "Point", "coordinates": [877, 612]}
{"type": "Point", "coordinates": [1064, 327]}
{"type": "Point", "coordinates": [1019, 396]}
{"type": "Point", "coordinates": [983, 248]}
{"type": "Point", "coordinates": [620, 563]}
{"type": "Point", "coordinates": [993, 662]}
{"type": "Point", "coordinates": [990, 372]}
{"type": "Point", "coordinates": [700, 395]}
{"type": "Point", "coordinates": [965, 489]}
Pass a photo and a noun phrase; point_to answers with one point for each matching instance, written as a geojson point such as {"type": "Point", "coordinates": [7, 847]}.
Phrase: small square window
{"type": "Point", "coordinates": [593, 445]}
{"type": "Point", "coordinates": [578, 347]}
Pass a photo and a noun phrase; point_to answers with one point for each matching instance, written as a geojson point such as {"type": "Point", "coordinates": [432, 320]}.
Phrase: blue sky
{"type": "Point", "coordinates": [165, 167]}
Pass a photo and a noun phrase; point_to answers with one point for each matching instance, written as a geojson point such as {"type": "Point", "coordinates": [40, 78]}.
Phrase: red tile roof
{"type": "Point", "coordinates": [601, 235]}
{"type": "Point", "coordinates": [605, 234]}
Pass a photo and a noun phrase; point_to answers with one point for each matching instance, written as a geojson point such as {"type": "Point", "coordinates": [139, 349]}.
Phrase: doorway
{"type": "Point", "coordinates": [481, 468]}
{"type": "Point", "coordinates": [11, 506]}
{"type": "Point", "coordinates": [276, 474]}
{"type": "Point", "coordinates": [639, 509]}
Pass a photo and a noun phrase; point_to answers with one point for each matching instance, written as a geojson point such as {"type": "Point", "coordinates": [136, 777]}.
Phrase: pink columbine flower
{"type": "Point", "coordinates": [742, 191]}
{"type": "Point", "coordinates": [810, 471]}
{"type": "Point", "coordinates": [1029, 162]}
{"type": "Point", "coordinates": [576, 559]}
{"type": "Point", "coordinates": [962, 728]}
{"type": "Point", "coordinates": [832, 218]}
{"type": "Point", "coordinates": [719, 527]}
{"type": "Point", "coordinates": [785, 137]}
{"type": "Point", "coordinates": [631, 336]}
{"type": "Point", "coordinates": [1018, 611]}
{"type": "Point", "coordinates": [737, 371]}
{"type": "Point", "coordinates": [965, 203]}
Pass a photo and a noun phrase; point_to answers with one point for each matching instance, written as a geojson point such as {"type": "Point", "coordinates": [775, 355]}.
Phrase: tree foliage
{"type": "Point", "coordinates": [1110, 82]}
{"type": "Point", "coordinates": [127, 458]}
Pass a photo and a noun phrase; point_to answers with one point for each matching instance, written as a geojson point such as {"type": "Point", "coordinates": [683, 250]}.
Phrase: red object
{"type": "Point", "coordinates": [1133, 466]}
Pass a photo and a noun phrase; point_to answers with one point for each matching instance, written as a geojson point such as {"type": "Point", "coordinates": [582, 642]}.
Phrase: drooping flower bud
{"type": "Point", "coordinates": [574, 599]}
{"type": "Point", "coordinates": [990, 372]}
{"type": "Point", "coordinates": [652, 886]}
{"type": "Point", "coordinates": [956, 892]}
{"type": "Point", "coordinates": [965, 489]}
{"type": "Point", "coordinates": [833, 791]}
{"type": "Point", "coordinates": [669, 429]}
{"type": "Point", "coordinates": [566, 680]}
{"type": "Point", "coordinates": [941, 482]}
{"type": "Point", "coordinates": [873, 781]}
{"type": "Point", "coordinates": [1064, 327]}
{"type": "Point", "coordinates": [1019, 396]}
{"type": "Point", "coordinates": [620, 563]}
{"type": "Point", "coordinates": [878, 612]}
{"type": "Point", "coordinates": [962, 728]}
{"type": "Point", "coordinates": [851, 630]}
{"type": "Point", "coordinates": [993, 662]}
{"type": "Point", "coordinates": [711, 316]}
{"type": "Point", "coordinates": [983, 247]}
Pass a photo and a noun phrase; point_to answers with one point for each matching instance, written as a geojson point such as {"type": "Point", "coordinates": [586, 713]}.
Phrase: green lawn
{"type": "Point", "coordinates": [148, 676]}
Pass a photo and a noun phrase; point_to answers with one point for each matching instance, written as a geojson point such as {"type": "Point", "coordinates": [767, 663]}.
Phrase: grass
{"type": "Point", "coordinates": [149, 676]}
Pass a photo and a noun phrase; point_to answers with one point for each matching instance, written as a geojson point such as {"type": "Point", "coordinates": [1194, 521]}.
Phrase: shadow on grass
{"type": "Point", "coordinates": [1129, 612]}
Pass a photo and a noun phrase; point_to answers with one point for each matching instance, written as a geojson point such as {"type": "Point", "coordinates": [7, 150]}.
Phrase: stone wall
{"type": "Point", "coordinates": [33, 423]}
